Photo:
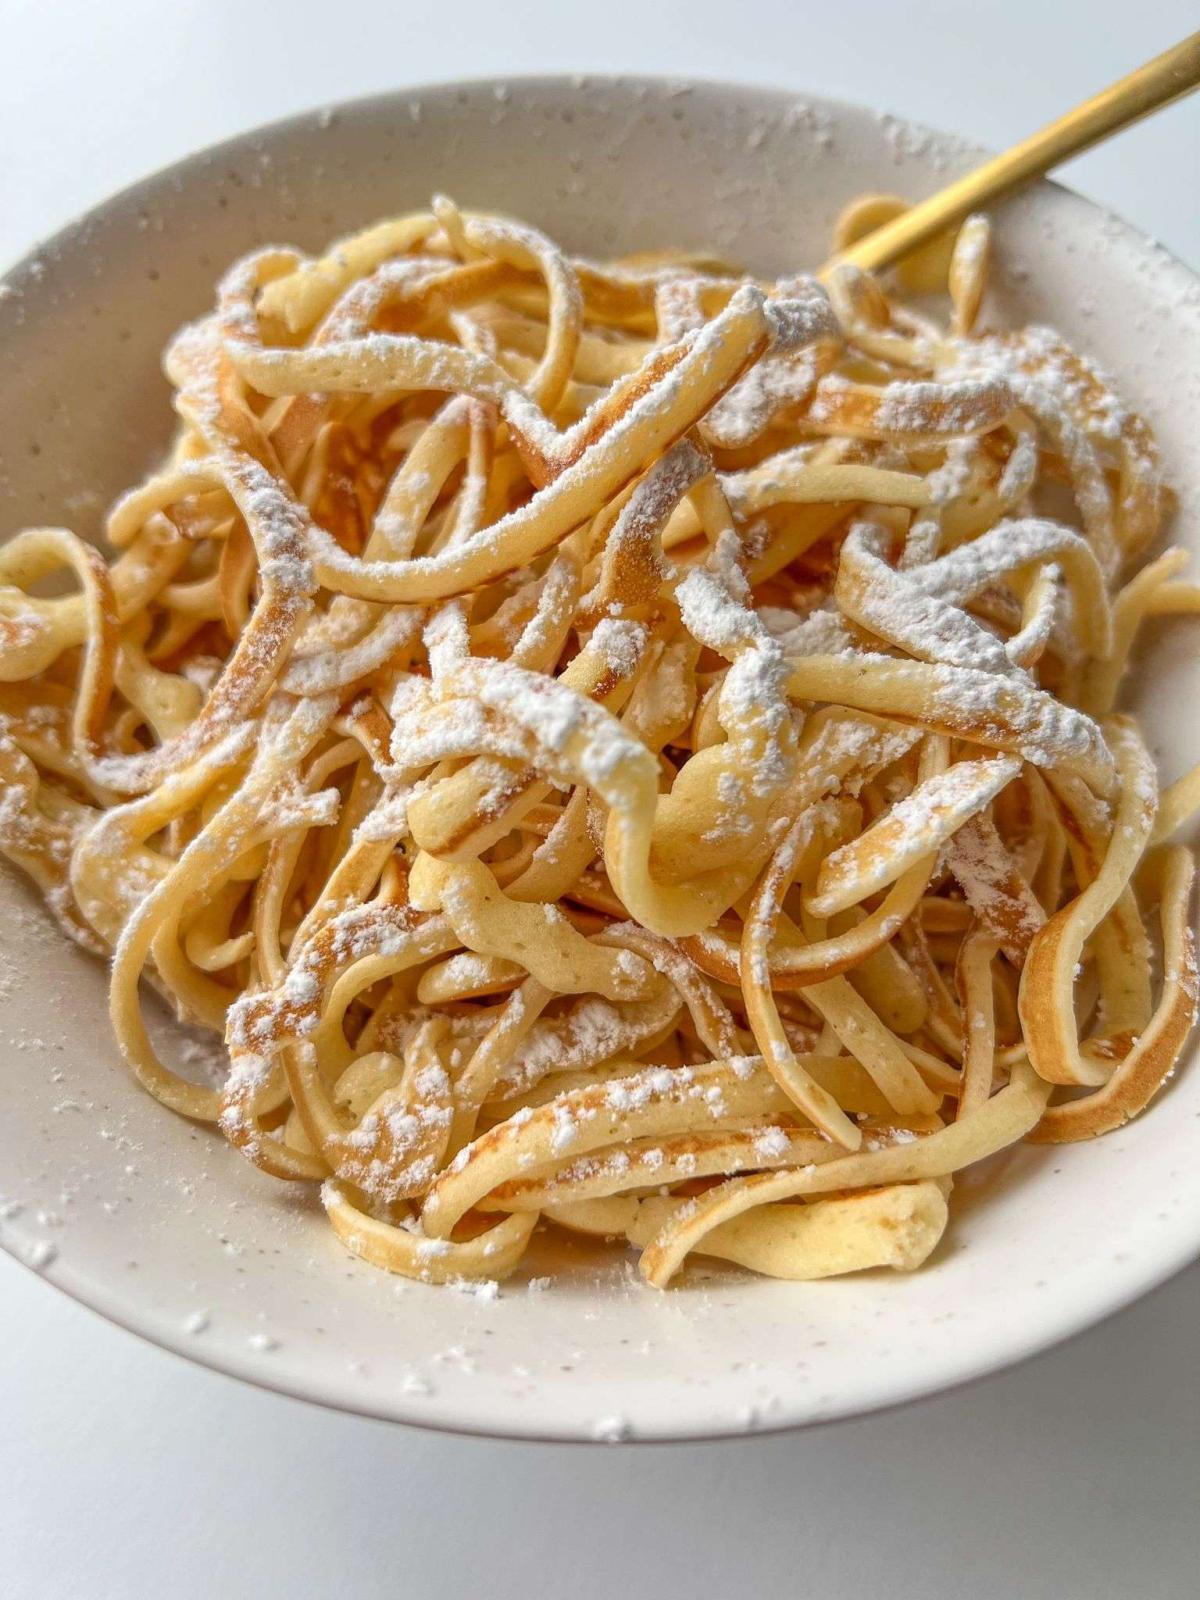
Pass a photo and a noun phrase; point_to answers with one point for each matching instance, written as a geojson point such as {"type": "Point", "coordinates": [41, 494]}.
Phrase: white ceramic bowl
{"type": "Point", "coordinates": [162, 1228]}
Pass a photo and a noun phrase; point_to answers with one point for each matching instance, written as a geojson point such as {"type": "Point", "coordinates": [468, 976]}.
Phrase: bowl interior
{"type": "Point", "coordinates": [161, 1227]}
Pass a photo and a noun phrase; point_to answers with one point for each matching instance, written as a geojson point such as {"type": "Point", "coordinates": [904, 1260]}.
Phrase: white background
{"type": "Point", "coordinates": [127, 1473]}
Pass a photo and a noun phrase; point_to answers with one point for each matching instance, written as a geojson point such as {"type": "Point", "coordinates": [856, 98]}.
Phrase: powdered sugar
{"type": "Point", "coordinates": [708, 652]}
{"type": "Point", "coordinates": [712, 614]}
{"type": "Point", "coordinates": [619, 644]}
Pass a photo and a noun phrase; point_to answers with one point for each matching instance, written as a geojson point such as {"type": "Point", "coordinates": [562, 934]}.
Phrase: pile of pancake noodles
{"type": "Point", "coordinates": [621, 747]}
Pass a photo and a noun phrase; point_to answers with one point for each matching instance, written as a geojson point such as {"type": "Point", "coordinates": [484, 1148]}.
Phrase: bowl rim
{"type": "Point", "coordinates": [509, 1422]}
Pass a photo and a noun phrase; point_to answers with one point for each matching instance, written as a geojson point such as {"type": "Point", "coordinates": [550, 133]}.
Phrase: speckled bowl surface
{"type": "Point", "coordinates": [156, 1223]}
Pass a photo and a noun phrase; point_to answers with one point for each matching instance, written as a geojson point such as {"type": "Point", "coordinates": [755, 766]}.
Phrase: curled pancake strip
{"type": "Point", "coordinates": [974, 981]}
{"type": "Point", "coordinates": [1048, 977]}
{"type": "Point", "coordinates": [964, 702]}
{"type": "Point", "coordinates": [1006, 1117]}
{"type": "Point", "coordinates": [659, 1100]}
{"type": "Point", "coordinates": [914, 828]}
{"type": "Point", "coordinates": [895, 1227]}
{"type": "Point", "coordinates": [251, 814]}
{"type": "Point", "coordinates": [762, 1013]}
{"type": "Point", "coordinates": [1151, 1059]}
{"type": "Point", "coordinates": [528, 685]}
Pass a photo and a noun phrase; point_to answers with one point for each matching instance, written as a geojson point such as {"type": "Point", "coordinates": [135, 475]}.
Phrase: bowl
{"type": "Point", "coordinates": [161, 1227]}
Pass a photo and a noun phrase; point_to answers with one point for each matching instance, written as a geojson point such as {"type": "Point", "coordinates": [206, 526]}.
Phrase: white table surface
{"type": "Point", "coordinates": [127, 1472]}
